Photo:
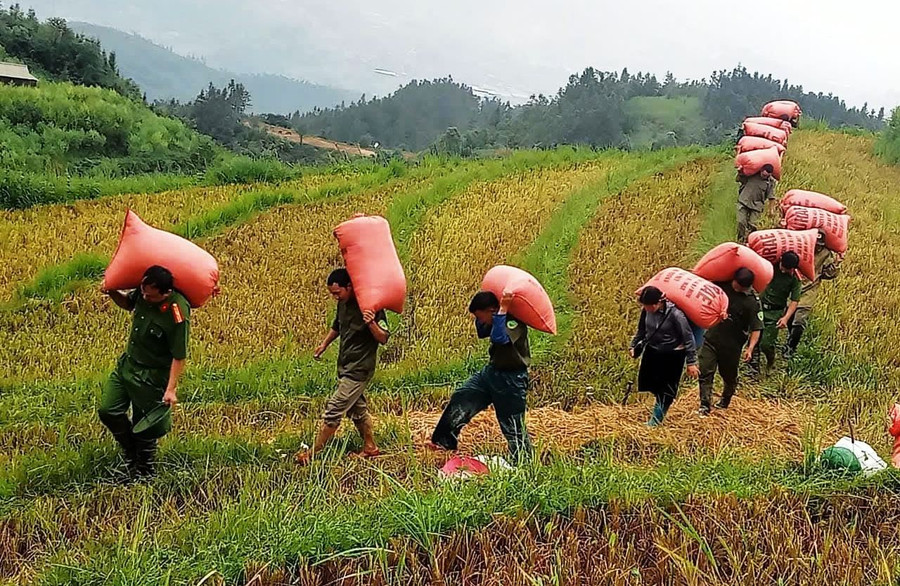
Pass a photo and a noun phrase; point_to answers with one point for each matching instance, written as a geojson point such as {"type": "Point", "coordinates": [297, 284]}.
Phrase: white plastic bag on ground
{"type": "Point", "coordinates": [865, 454]}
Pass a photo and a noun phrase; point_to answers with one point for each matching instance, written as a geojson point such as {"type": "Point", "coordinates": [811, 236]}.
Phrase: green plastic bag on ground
{"type": "Point", "coordinates": [835, 458]}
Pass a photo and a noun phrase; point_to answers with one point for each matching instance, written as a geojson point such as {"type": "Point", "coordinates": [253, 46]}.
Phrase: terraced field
{"type": "Point", "coordinates": [700, 501]}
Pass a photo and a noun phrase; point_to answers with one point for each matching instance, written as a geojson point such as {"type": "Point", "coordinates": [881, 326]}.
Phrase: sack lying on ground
{"type": "Point", "coordinates": [703, 302]}
{"type": "Point", "coordinates": [722, 262]}
{"type": "Point", "coordinates": [751, 162]}
{"type": "Point", "coordinates": [773, 134]}
{"type": "Point", "coordinates": [531, 304]}
{"type": "Point", "coordinates": [834, 226]}
{"type": "Point", "coordinates": [771, 244]}
{"type": "Point", "coordinates": [372, 261]}
{"type": "Point", "coordinates": [755, 143]}
{"type": "Point", "coordinates": [811, 199]}
{"type": "Point", "coordinates": [141, 246]}
{"type": "Point", "coordinates": [463, 467]}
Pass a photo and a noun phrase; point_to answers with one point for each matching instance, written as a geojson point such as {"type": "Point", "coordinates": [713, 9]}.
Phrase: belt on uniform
{"type": "Point", "coordinates": [130, 359]}
{"type": "Point", "coordinates": [769, 307]}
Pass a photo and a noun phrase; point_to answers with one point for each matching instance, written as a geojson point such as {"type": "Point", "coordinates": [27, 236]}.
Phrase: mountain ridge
{"type": "Point", "coordinates": [164, 74]}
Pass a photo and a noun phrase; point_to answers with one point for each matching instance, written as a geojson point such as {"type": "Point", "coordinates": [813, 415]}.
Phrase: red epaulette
{"type": "Point", "coordinates": [176, 311]}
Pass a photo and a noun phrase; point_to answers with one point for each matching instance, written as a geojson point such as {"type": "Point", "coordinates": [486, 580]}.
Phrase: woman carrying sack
{"type": "Point", "coordinates": [664, 339]}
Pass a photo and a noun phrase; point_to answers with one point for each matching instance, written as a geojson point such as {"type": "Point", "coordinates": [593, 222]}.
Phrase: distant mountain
{"type": "Point", "coordinates": [164, 74]}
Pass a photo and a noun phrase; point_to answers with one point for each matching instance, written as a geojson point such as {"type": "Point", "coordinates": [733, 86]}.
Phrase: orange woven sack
{"type": "Point", "coordinates": [771, 244]}
{"type": "Point", "coordinates": [835, 226]}
{"type": "Point", "coordinates": [371, 259]}
{"type": "Point", "coordinates": [752, 162]}
{"type": "Point", "coordinates": [531, 304]}
{"type": "Point", "coordinates": [141, 247]}
{"type": "Point", "coordinates": [755, 143]}
{"type": "Point", "coordinates": [704, 303]}
{"type": "Point", "coordinates": [773, 134]}
{"type": "Point", "coordinates": [773, 122]}
{"type": "Point", "coordinates": [722, 262]}
{"type": "Point", "coordinates": [811, 199]}
{"type": "Point", "coordinates": [782, 109]}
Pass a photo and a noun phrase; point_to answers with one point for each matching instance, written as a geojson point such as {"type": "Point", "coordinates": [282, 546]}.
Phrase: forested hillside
{"type": "Point", "coordinates": [55, 52]}
{"type": "Point", "coordinates": [601, 109]}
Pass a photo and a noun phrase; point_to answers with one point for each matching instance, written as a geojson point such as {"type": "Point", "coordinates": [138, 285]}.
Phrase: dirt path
{"type": "Point", "coordinates": [316, 141]}
{"type": "Point", "coordinates": [752, 426]}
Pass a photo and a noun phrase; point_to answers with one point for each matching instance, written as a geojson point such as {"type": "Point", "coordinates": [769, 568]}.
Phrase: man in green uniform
{"type": "Point", "coordinates": [361, 332]}
{"type": "Point", "coordinates": [779, 302]}
{"type": "Point", "coordinates": [503, 383]}
{"type": "Point", "coordinates": [827, 266]}
{"type": "Point", "coordinates": [723, 343]}
{"type": "Point", "coordinates": [146, 375]}
{"type": "Point", "coordinates": [753, 194]}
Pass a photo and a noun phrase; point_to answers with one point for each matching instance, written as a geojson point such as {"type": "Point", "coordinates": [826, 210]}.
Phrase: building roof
{"type": "Point", "coordinates": [15, 71]}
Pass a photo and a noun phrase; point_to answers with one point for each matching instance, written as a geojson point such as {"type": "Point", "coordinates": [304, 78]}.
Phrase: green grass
{"type": "Point", "coordinates": [55, 282]}
{"type": "Point", "coordinates": [270, 512]}
{"type": "Point", "coordinates": [719, 212]}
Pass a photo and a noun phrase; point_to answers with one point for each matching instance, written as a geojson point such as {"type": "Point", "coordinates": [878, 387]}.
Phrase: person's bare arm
{"type": "Point", "coordinates": [331, 337]}
{"type": "Point", "coordinates": [380, 334]}
{"type": "Point", "coordinates": [791, 308]}
{"type": "Point", "coordinates": [170, 398]}
{"type": "Point", "coordinates": [754, 340]}
{"type": "Point", "coordinates": [121, 299]}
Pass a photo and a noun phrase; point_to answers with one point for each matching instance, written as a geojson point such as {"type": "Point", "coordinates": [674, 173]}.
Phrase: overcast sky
{"type": "Point", "coordinates": [520, 47]}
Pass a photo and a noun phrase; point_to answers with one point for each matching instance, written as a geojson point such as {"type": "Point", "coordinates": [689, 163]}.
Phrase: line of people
{"type": "Point", "coordinates": [667, 341]}
{"type": "Point", "coordinates": [146, 375]}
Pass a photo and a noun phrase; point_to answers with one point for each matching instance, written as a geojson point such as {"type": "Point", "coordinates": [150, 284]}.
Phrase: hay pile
{"type": "Point", "coordinates": [753, 426]}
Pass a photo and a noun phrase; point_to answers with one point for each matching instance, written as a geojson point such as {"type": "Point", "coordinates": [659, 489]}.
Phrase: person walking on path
{"type": "Point", "coordinates": [664, 342]}
{"type": "Point", "coordinates": [503, 383]}
{"type": "Point", "coordinates": [146, 375]}
{"type": "Point", "coordinates": [360, 333]}
{"type": "Point", "coordinates": [753, 194]}
{"type": "Point", "coordinates": [723, 344]}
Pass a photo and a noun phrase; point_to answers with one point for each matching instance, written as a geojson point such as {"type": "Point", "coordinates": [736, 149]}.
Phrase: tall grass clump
{"type": "Point", "coordinates": [233, 169]}
{"type": "Point", "coordinates": [887, 146]}
{"type": "Point", "coordinates": [56, 282]}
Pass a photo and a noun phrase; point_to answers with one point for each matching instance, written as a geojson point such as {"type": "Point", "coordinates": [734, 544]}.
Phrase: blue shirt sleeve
{"type": "Point", "coordinates": [498, 331]}
{"type": "Point", "coordinates": [483, 330]}
{"type": "Point", "coordinates": [687, 336]}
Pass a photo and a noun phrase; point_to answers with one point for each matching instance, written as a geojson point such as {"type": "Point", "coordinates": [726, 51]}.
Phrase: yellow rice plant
{"type": "Point", "coordinates": [648, 227]}
{"type": "Point", "coordinates": [858, 312]}
{"type": "Point", "coordinates": [43, 236]}
{"type": "Point", "coordinates": [485, 226]}
{"type": "Point", "coordinates": [273, 299]}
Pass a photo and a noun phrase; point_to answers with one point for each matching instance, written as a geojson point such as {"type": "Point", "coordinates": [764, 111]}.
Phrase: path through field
{"type": "Point", "coordinates": [316, 141]}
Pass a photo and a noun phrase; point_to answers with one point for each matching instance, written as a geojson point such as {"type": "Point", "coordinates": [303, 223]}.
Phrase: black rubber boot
{"type": "Point", "coordinates": [120, 428]}
{"type": "Point", "coordinates": [145, 458]}
{"type": "Point", "coordinates": [126, 442]}
{"type": "Point", "coordinates": [793, 341]}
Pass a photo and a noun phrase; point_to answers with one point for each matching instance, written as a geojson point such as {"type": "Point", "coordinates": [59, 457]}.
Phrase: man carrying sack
{"type": "Point", "coordinates": [146, 375]}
